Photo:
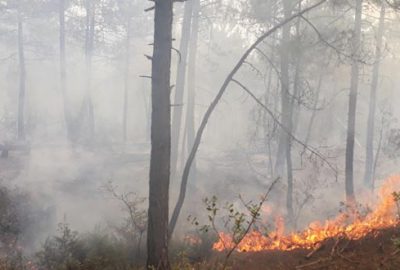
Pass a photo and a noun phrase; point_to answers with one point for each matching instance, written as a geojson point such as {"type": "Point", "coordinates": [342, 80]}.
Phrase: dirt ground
{"type": "Point", "coordinates": [375, 251]}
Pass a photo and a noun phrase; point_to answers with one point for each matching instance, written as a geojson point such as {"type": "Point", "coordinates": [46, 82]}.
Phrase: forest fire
{"type": "Point", "coordinates": [351, 226]}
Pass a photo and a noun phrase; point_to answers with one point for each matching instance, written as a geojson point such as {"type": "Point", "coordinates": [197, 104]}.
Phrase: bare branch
{"type": "Point", "coordinates": [179, 54]}
{"type": "Point", "coordinates": [310, 149]}
{"type": "Point", "coordinates": [330, 45]}
{"type": "Point", "coordinates": [149, 9]}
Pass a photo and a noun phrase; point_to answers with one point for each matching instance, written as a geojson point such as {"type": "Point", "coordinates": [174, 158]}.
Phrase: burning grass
{"type": "Point", "coordinates": [374, 251]}
{"type": "Point", "coordinates": [350, 225]}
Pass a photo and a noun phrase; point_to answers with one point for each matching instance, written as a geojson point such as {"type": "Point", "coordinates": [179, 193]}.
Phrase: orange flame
{"type": "Point", "coordinates": [383, 216]}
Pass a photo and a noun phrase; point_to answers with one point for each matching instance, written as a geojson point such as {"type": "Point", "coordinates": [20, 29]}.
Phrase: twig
{"type": "Point", "coordinates": [149, 9]}
{"type": "Point", "coordinates": [309, 264]}
{"type": "Point", "coordinates": [179, 54]}
{"type": "Point", "coordinates": [397, 251]}
{"type": "Point", "coordinates": [254, 216]}
{"type": "Point", "coordinates": [345, 246]}
{"type": "Point", "coordinates": [347, 259]}
{"type": "Point", "coordinates": [318, 247]}
{"type": "Point", "coordinates": [335, 245]}
{"type": "Point", "coordinates": [330, 45]}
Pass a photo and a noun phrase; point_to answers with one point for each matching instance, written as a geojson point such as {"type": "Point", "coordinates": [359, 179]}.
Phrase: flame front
{"type": "Point", "coordinates": [383, 216]}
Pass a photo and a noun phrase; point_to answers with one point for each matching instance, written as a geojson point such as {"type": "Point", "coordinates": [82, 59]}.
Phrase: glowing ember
{"type": "Point", "coordinates": [383, 216]}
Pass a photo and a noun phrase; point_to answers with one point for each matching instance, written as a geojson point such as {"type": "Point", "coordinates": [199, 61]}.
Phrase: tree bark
{"type": "Point", "coordinates": [157, 234]}
{"type": "Point", "coordinates": [22, 77]}
{"type": "Point", "coordinates": [180, 85]}
{"type": "Point", "coordinates": [369, 161]}
{"type": "Point", "coordinates": [349, 170]}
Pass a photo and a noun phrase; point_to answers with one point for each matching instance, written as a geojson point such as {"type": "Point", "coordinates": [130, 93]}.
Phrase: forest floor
{"type": "Point", "coordinates": [375, 251]}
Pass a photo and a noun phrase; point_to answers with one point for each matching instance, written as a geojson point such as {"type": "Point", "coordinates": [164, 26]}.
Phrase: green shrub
{"type": "Point", "coordinates": [93, 251]}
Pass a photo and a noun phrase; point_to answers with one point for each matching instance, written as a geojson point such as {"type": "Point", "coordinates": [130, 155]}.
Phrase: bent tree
{"type": "Point", "coordinates": [213, 105]}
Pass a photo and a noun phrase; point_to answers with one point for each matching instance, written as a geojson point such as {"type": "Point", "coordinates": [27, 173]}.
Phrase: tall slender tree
{"type": "Point", "coordinates": [284, 149]}
{"type": "Point", "coordinates": [369, 161]}
{"type": "Point", "coordinates": [22, 74]}
{"type": "Point", "coordinates": [160, 161]}
{"type": "Point", "coordinates": [126, 79]}
{"type": "Point", "coordinates": [351, 122]}
{"type": "Point", "coordinates": [63, 70]}
{"type": "Point", "coordinates": [180, 84]}
{"type": "Point", "coordinates": [191, 96]}
{"type": "Point", "coordinates": [87, 107]}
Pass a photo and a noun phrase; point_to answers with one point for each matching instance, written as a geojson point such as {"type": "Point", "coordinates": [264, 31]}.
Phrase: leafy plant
{"type": "Point", "coordinates": [93, 251]}
{"type": "Point", "coordinates": [236, 222]}
{"type": "Point", "coordinates": [63, 251]}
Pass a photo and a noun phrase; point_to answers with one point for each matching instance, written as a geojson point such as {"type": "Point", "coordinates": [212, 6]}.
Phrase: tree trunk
{"type": "Point", "coordinates": [314, 110]}
{"type": "Point", "coordinates": [126, 81]}
{"type": "Point", "coordinates": [284, 154]}
{"type": "Point", "coordinates": [266, 123]}
{"type": "Point", "coordinates": [285, 88]}
{"type": "Point", "coordinates": [349, 183]}
{"type": "Point", "coordinates": [180, 85]}
{"type": "Point", "coordinates": [157, 235]}
{"type": "Point", "coordinates": [190, 110]}
{"type": "Point", "coordinates": [22, 77]}
{"type": "Point", "coordinates": [63, 71]}
{"type": "Point", "coordinates": [89, 45]}
{"type": "Point", "coordinates": [291, 129]}
{"type": "Point", "coordinates": [369, 161]}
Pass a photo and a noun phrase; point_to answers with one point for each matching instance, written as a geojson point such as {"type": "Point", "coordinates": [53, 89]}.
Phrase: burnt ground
{"type": "Point", "coordinates": [375, 251]}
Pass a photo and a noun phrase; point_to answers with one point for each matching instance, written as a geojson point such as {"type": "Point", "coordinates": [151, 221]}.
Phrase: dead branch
{"type": "Point", "coordinates": [318, 247]}
{"type": "Point", "coordinates": [335, 245]}
{"type": "Point", "coordinates": [179, 54]}
{"type": "Point", "coordinates": [347, 259]}
{"type": "Point", "coordinates": [309, 264]}
{"type": "Point", "coordinates": [149, 9]}
{"type": "Point", "coordinates": [394, 253]}
{"type": "Point", "coordinates": [310, 149]}
{"type": "Point", "coordinates": [321, 38]}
